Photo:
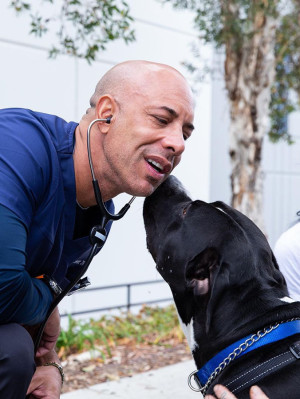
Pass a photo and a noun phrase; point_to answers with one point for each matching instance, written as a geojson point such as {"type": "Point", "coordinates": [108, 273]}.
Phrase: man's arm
{"type": "Point", "coordinates": [23, 299]}
{"type": "Point", "coordinates": [48, 377]}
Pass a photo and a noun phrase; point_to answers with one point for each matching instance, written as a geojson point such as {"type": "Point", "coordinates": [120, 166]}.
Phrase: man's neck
{"type": "Point", "coordinates": [84, 183]}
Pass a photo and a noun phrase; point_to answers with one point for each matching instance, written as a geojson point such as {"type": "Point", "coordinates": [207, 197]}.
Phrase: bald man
{"type": "Point", "coordinates": [48, 205]}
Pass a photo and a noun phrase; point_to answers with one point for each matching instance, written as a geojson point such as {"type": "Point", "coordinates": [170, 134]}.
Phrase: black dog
{"type": "Point", "coordinates": [230, 295]}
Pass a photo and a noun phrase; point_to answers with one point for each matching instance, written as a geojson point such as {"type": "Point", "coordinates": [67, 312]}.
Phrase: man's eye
{"type": "Point", "coordinates": [161, 120]}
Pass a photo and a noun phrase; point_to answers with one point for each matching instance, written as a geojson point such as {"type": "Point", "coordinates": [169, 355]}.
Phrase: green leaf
{"type": "Point", "coordinates": [83, 29]}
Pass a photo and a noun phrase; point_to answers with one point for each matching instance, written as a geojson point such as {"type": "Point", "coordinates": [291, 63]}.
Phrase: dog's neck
{"type": "Point", "coordinates": [230, 322]}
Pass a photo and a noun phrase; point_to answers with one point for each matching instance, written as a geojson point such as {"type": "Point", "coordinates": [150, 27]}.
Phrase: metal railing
{"type": "Point", "coordinates": [128, 304]}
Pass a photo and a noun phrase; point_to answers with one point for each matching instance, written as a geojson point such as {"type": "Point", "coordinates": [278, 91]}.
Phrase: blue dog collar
{"type": "Point", "coordinates": [278, 332]}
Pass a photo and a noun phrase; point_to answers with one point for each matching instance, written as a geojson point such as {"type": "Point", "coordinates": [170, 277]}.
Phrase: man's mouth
{"type": "Point", "coordinates": [158, 166]}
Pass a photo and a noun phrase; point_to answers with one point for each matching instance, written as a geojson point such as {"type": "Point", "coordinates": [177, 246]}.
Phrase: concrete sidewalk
{"type": "Point", "coordinates": [165, 383]}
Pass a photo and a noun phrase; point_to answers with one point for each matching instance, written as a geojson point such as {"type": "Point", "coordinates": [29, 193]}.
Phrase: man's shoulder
{"type": "Point", "coordinates": [25, 112]}
{"type": "Point", "coordinates": [38, 127]}
{"type": "Point", "coordinates": [13, 115]}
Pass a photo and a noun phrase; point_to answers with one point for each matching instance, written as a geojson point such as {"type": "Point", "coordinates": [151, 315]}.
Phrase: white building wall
{"type": "Point", "coordinates": [63, 87]}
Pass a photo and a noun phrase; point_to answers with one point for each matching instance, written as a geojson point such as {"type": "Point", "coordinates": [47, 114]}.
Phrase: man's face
{"type": "Point", "coordinates": [147, 137]}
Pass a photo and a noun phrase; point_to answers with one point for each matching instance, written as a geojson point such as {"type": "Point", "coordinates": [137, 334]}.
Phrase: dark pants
{"type": "Point", "coordinates": [16, 361]}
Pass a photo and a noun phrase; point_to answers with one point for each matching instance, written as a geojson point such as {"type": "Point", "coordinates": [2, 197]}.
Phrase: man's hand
{"type": "Point", "coordinates": [223, 393]}
{"type": "Point", "coordinates": [50, 334]}
{"type": "Point", "coordinates": [45, 384]}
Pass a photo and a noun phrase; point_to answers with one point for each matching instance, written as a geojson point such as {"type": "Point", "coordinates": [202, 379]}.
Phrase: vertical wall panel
{"type": "Point", "coordinates": [282, 188]}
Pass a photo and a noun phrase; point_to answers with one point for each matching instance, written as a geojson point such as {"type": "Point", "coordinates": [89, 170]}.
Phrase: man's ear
{"type": "Point", "coordinates": [105, 108]}
{"type": "Point", "coordinates": [200, 271]}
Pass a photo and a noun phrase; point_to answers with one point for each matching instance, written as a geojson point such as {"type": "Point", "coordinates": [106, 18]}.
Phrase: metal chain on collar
{"type": "Point", "coordinates": [236, 352]}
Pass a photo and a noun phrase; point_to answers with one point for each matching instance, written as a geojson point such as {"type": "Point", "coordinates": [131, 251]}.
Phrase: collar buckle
{"type": "Point", "coordinates": [195, 378]}
{"type": "Point", "coordinates": [295, 350]}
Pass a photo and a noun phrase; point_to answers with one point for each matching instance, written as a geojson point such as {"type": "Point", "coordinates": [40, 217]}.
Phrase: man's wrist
{"type": "Point", "coordinates": [59, 368]}
{"type": "Point", "coordinates": [50, 357]}
{"type": "Point", "coordinates": [51, 283]}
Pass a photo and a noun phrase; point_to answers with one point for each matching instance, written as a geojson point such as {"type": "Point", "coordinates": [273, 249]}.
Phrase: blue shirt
{"type": "Point", "coordinates": [37, 187]}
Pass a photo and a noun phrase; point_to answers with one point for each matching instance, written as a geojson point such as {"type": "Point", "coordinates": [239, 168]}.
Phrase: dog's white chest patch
{"type": "Point", "coordinates": [188, 330]}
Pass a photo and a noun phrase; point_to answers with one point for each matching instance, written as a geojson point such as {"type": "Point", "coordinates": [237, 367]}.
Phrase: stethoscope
{"type": "Point", "coordinates": [98, 235]}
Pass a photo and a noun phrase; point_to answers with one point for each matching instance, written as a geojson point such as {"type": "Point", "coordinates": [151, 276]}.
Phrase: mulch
{"type": "Point", "coordinates": [125, 361]}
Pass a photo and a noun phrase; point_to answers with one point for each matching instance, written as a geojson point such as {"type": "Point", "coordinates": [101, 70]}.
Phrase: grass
{"type": "Point", "coordinates": [151, 326]}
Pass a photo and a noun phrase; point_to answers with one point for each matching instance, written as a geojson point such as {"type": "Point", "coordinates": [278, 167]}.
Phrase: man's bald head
{"type": "Point", "coordinates": [127, 77]}
{"type": "Point", "coordinates": [151, 109]}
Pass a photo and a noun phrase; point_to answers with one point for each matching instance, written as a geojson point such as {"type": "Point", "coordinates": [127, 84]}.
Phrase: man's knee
{"type": "Point", "coordinates": [16, 353]}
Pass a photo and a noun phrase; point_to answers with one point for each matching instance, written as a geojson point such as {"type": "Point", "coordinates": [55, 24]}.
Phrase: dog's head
{"type": "Point", "coordinates": [211, 255]}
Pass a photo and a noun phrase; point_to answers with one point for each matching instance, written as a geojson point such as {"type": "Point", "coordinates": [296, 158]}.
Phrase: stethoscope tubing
{"type": "Point", "coordinates": [64, 292]}
{"type": "Point", "coordinates": [106, 217]}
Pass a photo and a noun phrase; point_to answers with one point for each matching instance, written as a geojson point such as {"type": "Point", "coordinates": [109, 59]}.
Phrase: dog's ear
{"type": "Point", "coordinates": [200, 270]}
{"type": "Point", "coordinates": [208, 279]}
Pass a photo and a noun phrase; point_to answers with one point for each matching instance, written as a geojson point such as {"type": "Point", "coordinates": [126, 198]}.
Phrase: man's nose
{"type": "Point", "coordinates": [174, 141]}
